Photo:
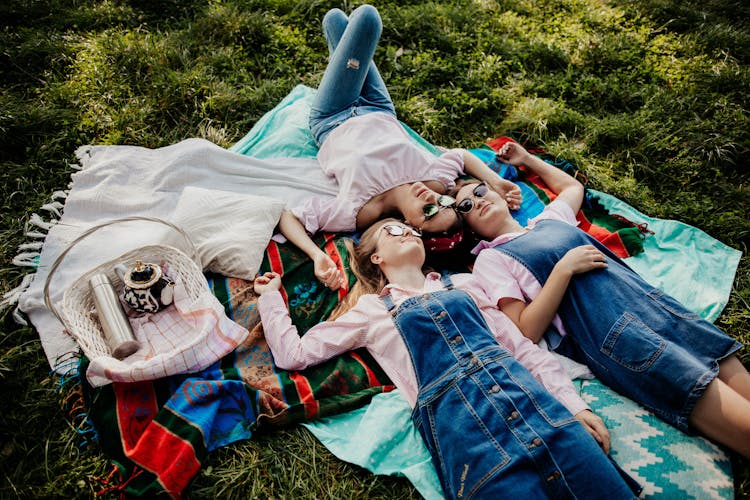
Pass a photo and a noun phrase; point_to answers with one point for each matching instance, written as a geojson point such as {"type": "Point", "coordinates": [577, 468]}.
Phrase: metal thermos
{"type": "Point", "coordinates": [117, 330]}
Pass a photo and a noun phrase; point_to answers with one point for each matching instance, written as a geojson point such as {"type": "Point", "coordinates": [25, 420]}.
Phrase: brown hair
{"type": "Point", "coordinates": [460, 184]}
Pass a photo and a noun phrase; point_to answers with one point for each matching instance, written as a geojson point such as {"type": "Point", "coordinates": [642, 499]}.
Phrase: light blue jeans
{"type": "Point", "coordinates": [351, 84]}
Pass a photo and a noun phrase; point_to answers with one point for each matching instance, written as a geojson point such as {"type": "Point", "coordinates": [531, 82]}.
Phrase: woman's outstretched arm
{"type": "Point", "coordinates": [566, 187]}
{"type": "Point", "coordinates": [325, 269]}
{"type": "Point", "coordinates": [320, 343]}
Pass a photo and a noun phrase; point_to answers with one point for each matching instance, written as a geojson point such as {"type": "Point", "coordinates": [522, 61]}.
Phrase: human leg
{"type": "Point", "coordinates": [350, 81]}
{"type": "Point", "coordinates": [723, 414]}
{"type": "Point", "coordinates": [334, 24]}
{"type": "Point", "coordinates": [374, 90]}
{"type": "Point", "coordinates": [735, 375]}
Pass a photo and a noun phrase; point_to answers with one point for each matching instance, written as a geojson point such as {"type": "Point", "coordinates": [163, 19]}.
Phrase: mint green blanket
{"type": "Point", "coordinates": [684, 261]}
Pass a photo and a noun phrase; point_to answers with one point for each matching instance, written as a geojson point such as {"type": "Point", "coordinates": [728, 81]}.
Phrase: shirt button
{"type": "Point", "coordinates": [513, 415]}
{"type": "Point", "coordinates": [495, 388]}
{"type": "Point", "coordinates": [426, 296]}
{"type": "Point", "coordinates": [554, 476]}
{"type": "Point", "coordinates": [442, 315]}
{"type": "Point", "coordinates": [457, 339]}
{"type": "Point", "coordinates": [474, 360]}
{"type": "Point", "coordinates": [536, 442]}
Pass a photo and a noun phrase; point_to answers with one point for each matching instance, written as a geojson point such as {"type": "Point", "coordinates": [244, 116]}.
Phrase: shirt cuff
{"type": "Point", "coordinates": [573, 402]}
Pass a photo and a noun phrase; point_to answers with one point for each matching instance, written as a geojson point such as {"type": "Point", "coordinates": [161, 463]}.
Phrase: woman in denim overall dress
{"type": "Point", "coordinates": [636, 339]}
{"type": "Point", "coordinates": [493, 429]}
{"type": "Point", "coordinates": [379, 168]}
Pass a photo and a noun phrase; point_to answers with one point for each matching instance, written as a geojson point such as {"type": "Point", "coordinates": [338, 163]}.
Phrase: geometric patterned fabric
{"type": "Point", "coordinates": [667, 463]}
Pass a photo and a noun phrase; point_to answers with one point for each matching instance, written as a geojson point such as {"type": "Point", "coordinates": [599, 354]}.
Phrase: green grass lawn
{"type": "Point", "coordinates": [650, 97]}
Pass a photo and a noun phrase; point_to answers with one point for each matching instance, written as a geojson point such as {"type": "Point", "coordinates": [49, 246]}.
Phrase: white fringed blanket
{"type": "Point", "coordinates": [121, 181]}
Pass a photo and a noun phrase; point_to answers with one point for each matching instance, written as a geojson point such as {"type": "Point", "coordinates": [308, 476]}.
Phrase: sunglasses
{"type": "Point", "coordinates": [467, 204]}
{"type": "Point", "coordinates": [395, 230]}
{"type": "Point", "coordinates": [431, 209]}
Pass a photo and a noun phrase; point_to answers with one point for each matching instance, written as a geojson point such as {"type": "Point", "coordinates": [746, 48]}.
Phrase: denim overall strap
{"type": "Point", "coordinates": [491, 428]}
{"type": "Point", "coordinates": [633, 337]}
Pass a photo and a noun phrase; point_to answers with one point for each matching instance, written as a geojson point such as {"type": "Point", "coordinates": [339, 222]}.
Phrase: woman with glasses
{"type": "Point", "coordinates": [498, 415]}
{"type": "Point", "coordinates": [558, 283]}
{"type": "Point", "coordinates": [379, 169]}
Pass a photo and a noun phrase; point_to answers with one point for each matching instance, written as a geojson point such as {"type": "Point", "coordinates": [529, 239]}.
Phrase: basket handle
{"type": "Point", "coordinates": [93, 229]}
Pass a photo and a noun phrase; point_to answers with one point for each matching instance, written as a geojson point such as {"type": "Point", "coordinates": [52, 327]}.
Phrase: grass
{"type": "Point", "coordinates": [650, 97]}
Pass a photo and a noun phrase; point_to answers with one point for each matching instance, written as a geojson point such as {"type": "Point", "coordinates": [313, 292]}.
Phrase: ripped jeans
{"type": "Point", "coordinates": [351, 84]}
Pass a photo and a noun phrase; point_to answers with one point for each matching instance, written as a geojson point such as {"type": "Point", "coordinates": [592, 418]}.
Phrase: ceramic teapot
{"type": "Point", "coordinates": [147, 288]}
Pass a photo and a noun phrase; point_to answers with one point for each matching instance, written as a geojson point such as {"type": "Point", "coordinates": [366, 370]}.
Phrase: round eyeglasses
{"type": "Point", "coordinates": [431, 209]}
{"type": "Point", "coordinates": [395, 230]}
{"type": "Point", "coordinates": [467, 204]}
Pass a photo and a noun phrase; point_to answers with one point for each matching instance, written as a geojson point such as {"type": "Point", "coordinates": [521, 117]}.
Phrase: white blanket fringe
{"type": "Point", "coordinates": [36, 220]}
{"type": "Point", "coordinates": [29, 252]}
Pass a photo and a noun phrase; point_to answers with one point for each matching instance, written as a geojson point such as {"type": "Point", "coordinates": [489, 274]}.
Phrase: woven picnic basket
{"type": "Point", "coordinates": [77, 311]}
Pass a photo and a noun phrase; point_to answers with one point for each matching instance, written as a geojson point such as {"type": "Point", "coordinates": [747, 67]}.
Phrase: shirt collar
{"type": "Point", "coordinates": [498, 240]}
{"type": "Point", "coordinates": [431, 277]}
{"type": "Point", "coordinates": [489, 244]}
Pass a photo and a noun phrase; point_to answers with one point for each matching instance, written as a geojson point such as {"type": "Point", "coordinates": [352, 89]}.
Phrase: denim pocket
{"type": "Point", "coordinates": [632, 344]}
{"type": "Point", "coordinates": [467, 449]}
{"type": "Point", "coordinates": [671, 304]}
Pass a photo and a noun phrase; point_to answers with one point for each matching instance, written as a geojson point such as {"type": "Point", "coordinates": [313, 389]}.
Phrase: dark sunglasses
{"type": "Point", "coordinates": [431, 209]}
{"type": "Point", "coordinates": [467, 204]}
{"type": "Point", "coordinates": [395, 230]}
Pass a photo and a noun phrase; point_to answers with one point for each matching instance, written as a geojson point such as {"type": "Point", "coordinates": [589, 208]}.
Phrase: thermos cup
{"type": "Point", "coordinates": [117, 331]}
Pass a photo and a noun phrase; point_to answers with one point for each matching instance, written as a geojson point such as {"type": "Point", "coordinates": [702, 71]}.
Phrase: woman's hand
{"type": "Point", "coordinates": [268, 282]}
{"type": "Point", "coordinates": [595, 426]}
{"type": "Point", "coordinates": [582, 259]}
{"type": "Point", "coordinates": [514, 153]}
{"type": "Point", "coordinates": [509, 191]}
{"type": "Point", "coordinates": [326, 271]}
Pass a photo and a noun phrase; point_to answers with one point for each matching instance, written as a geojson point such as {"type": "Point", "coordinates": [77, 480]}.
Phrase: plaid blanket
{"type": "Point", "coordinates": [159, 433]}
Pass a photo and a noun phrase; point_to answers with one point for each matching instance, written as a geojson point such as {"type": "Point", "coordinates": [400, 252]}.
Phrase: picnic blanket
{"type": "Point", "coordinates": [158, 433]}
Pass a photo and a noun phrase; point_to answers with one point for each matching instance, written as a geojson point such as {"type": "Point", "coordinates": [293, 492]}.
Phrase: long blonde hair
{"type": "Point", "coordinates": [370, 278]}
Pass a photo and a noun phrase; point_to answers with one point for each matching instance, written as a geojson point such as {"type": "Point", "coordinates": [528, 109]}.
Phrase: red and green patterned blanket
{"type": "Point", "coordinates": [159, 433]}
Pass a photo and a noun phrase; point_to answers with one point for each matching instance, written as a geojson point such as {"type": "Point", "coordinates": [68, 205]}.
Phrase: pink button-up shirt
{"type": "Point", "coordinates": [368, 324]}
{"type": "Point", "coordinates": [368, 155]}
{"type": "Point", "coordinates": [502, 276]}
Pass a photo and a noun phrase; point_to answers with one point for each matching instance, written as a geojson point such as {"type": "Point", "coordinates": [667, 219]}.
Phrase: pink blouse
{"type": "Point", "coordinates": [368, 324]}
{"type": "Point", "coordinates": [368, 155]}
{"type": "Point", "coordinates": [502, 276]}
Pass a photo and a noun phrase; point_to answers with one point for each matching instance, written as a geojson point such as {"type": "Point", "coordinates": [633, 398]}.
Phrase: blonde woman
{"type": "Point", "coordinates": [498, 415]}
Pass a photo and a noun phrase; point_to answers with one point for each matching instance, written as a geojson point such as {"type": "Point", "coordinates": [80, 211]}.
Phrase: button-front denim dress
{"type": "Point", "coordinates": [492, 429]}
{"type": "Point", "coordinates": [635, 338]}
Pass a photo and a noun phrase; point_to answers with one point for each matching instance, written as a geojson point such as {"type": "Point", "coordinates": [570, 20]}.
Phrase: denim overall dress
{"type": "Point", "coordinates": [634, 338]}
{"type": "Point", "coordinates": [492, 429]}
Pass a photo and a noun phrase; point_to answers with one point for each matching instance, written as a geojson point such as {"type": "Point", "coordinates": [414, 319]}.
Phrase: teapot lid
{"type": "Point", "coordinates": [143, 275]}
